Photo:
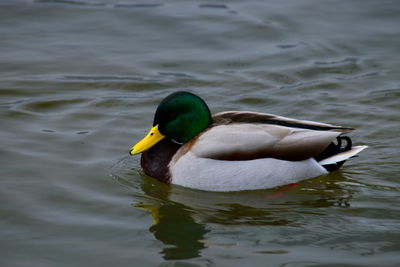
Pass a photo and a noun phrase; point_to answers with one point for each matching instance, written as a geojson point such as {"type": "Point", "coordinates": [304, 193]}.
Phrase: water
{"type": "Point", "coordinates": [79, 84]}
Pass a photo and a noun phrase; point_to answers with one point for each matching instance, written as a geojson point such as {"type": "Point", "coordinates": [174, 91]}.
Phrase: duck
{"type": "Point", "coordinates": [237, 150]}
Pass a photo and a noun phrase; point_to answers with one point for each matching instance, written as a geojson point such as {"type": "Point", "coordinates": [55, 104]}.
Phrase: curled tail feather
{"type": "Point", "coordinates": [333, 157]}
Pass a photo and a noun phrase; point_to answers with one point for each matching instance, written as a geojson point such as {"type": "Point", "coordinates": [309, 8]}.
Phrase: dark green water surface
{"type": "Point", "coordinates": [79, 84]}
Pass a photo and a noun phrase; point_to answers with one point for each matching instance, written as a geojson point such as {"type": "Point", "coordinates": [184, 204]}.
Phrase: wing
{"type": "Point", "coordinates": [248, 135]}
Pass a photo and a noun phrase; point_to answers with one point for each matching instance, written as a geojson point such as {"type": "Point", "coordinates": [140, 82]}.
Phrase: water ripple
{"type": "Point", "coordinates": [101, 4]}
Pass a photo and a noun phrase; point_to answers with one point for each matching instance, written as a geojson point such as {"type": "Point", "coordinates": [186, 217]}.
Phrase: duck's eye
{"type": "Point", "coordinates": [172, 116]}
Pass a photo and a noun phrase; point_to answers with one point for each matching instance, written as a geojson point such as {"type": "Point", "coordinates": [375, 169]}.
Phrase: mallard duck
{"type": "Point", "coordinates": [235, 150]}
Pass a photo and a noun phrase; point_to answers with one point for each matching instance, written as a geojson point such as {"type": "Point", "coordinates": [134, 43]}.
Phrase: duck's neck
{"type": "Point", "coordinates": [155, 160]}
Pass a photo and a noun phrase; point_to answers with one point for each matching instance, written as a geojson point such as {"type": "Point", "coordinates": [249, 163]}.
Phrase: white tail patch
{"type": "Point", "coordinates": [343, 156]}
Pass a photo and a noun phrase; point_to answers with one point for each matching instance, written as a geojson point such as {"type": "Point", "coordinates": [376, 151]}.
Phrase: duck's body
{"type": "Point", "coordinates": [235, 151]}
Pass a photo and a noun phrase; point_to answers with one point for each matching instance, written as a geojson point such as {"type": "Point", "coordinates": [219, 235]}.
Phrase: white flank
{"type": "Point", "coordinates": [222, 175]}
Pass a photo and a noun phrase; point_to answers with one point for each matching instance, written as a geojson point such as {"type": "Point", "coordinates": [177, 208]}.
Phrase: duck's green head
{"type": "Point", "coordinates": [179, 117]}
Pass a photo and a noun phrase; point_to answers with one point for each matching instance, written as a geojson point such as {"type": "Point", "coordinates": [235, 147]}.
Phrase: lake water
{"type": "Point", "coordinates": [79, 84]}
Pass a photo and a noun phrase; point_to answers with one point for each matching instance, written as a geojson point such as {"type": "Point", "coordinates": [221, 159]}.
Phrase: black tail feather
{"type": "Point", "coordinates": [334, 149]}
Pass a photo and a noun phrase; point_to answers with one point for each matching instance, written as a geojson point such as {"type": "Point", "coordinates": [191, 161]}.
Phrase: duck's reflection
{"type": "Point", "coordinates": [175, 227]}
{"type": "Point", "coordinates": [173, 224]}
{"type": "Point", "coordinates": [181, 216]}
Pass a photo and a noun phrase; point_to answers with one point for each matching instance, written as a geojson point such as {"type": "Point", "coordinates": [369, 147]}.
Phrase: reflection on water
{"type": "Point", "coordinates": [174, 226]}
{"type": "Point", "coordinates": [237, 214]}
{"type": "Point", "coordinates": [182, 217]}
{"type": "Point", "coordinates": [173, 223]}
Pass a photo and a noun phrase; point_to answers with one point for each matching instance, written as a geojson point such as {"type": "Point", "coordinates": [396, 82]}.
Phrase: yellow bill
{"type": "Point", "coordinates": [152, 138]}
